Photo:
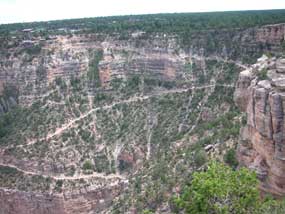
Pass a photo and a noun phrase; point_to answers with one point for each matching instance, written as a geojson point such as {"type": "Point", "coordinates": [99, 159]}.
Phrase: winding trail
{"type": "Point", "coordinates": [131, 100]}
{"type": "Point", "coordinates": [71, 123]}
{"type": "Point", "coordinates": [63, 177]}
{"type": "Point", "coordinates": [220, 59]}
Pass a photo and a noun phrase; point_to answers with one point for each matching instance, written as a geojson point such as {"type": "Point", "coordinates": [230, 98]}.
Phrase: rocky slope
{"type": "Point", "coordinates": [93, 123]}
{"type": "Point", "coordinates": [260, 93]}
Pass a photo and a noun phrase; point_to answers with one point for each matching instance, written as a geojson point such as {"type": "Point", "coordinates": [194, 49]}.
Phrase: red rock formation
{"type": "Point", "coordinates": [82, 201]}
{"type": "Point", "coordinates": [262, 143]}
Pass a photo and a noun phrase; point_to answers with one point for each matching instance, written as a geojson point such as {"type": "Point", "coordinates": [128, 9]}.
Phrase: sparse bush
{"type": "Point", "coordinates": [5, 170]}
{"type": "Point", "coordinates": [93, 73]}
{"type": "Point", "coordinates": [60, 83]}
{"type": "Point", "coordinates": [262, 75]}
{"type": "Point", "coordinates": [33, 50]}
{"type": "Point", "coordinates": [58, 185]}
{"type": "Point", "coordinates": [230, 158]}
{"type": "Point", "coordinates": [87, 165]}
{"type": "Point", "coordinates": [244, 120]}
{"type": "Point", "coordinates": [147, 211]}
{"type": "Point", "coordinates": [102, 163]}
{"type": "Point", "coordinates": [200, 158]}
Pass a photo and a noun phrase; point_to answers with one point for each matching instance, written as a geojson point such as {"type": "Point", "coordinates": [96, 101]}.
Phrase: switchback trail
{"type": "Point", "coordinates": [72, 122]}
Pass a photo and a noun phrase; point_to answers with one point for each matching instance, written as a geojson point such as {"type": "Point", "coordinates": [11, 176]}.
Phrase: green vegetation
{"type": "Point", "coordinates": [58, 185]}
{"type": "Point", "coordinates": [200, 157]}
{"type": "Point", "coordinates": [157, 22]}
{"type": "Point", "coordinates": [102, 163]}
{"type": "Point", "coordinates": [230, 158]}
{"type": "Point", "coordinates": [61, 83]}
{"type": "Point", "coordinates": [93, 73]}
{"type": "Point", "coordinates": [244, 120]}
{"type": "Point", "coordinates": [8, 123]}
{"type": "Point", "coordinates": [12, 178]}
{"type": "Point", "coordinates": [187, 26]}
{"type": "Point", "coordinates": [262, 75]}
{"type": "Point", "coordinates": [223, 128]}
{"type": "Point", "coordinates": [164, 121]}
{"type": "Point", "coordinates": [221, 190]}
{"type": "Point", "coordinates": [87, 165]}
{"type": "Point", "coordinates": [147, 212]}
{"type": "Point", "coordinates": [5, 170]}
{"type": "Point", "coordinates": [33, 50]}
{"type": "Point", "coordinates": [10, 91]}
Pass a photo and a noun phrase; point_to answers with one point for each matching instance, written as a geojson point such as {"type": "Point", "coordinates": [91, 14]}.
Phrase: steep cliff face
{"type": "Point", "coordinates": [84, 201]}
{"type": "Point", "coordinates": [260, 93]}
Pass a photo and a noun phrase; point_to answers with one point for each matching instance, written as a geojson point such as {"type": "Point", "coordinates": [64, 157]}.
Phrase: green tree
{"type": "Point", "coordinates": [230, 158]}
{"type": "Point", "coordinates": [200, 157]}
{"type": "Point", "coordinates": [87, 165]}
{"type": "Point", "coordinates": [220, 190]}
{"type": "Point", "coordinates": [147, 212]}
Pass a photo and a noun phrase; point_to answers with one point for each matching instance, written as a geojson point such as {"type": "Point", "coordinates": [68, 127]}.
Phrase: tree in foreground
{"type": "Point", "coordinates": [221, 190]}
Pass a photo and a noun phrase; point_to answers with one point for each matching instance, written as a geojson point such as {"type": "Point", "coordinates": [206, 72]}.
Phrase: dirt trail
{"type": "Point", "coordinates": [71, 123]}
{"type": "Point", "coordinates": [63, 177]}
{"type": "Point", "coordinates": [220, 59]}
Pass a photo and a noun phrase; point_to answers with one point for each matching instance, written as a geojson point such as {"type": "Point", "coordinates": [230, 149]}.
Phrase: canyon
{"type": "Point", "coordinates": [101, 123]}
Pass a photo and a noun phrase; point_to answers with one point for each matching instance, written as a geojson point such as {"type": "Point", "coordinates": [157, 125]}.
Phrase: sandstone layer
{"type": "Point", "coordinates": [260, 94]}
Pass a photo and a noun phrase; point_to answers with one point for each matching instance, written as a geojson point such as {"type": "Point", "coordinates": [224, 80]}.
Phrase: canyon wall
{"type": "Point", "coordinates": [86, 200]}
{"type": "Point", "coordinates": [260, 94]}
{"type": "Point", "coordinates": [137, 123]}
{"type": "Point", "coordinates": [29, 66]}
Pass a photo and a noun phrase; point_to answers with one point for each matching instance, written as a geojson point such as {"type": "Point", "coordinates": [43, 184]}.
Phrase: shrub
{"type": "Point", "coordinates": [87, 165]}
{"type": "Point", "coordinates": [262, 75]}
{"type": "Point", "coordinates": [221, 190]}
{"type": "Point", "coordinates": [5, 170]}
{"type": "Point", "coordinates": [244, 120]}
{"type": "Point", "coordinates": [33, 50]}
{"type": "Point", "coordinates": [58, 185]}
{"type": "Point", "coordinates": [147, 211]}
{"type": "Point", "coordinates": [200, 158]}
{"type": "Point", "coordinates": [230, 158]}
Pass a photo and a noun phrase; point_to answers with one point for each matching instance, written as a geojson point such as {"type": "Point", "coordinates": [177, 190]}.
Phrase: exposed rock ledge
{"type": "Point", "coordinates": [260, 93]}
{"type": "Point", "coordinates": [84, 201]}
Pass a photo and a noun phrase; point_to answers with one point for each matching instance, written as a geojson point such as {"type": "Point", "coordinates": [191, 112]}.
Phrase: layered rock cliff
{"type": "Point", "coordinates": [260, 94]}
{"type": "Point", "coordinates": [107, 124]}
{"type": "Point", "coordinates": [29, 66]}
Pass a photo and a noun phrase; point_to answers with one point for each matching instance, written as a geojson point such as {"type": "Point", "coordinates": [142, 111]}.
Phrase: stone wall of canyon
{"type": "Point", "coordinates": [260, 93]}
{"type": "Point", "coordinates": [69, 56]}
{"type": "Point", "coordinates": [26, 78]}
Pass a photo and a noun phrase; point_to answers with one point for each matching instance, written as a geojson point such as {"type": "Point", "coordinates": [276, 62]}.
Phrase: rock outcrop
{"type": "Point", "coordinates": [83, 201]}
{"type": "Point", "coordinates": [260, 93]}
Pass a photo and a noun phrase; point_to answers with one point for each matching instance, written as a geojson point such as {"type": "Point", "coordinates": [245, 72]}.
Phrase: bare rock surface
{"type": "Point", "coordinates": [262, 142]}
